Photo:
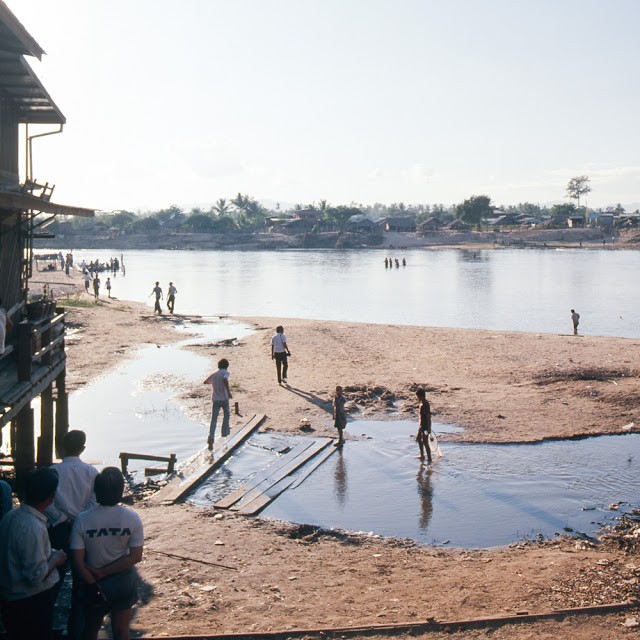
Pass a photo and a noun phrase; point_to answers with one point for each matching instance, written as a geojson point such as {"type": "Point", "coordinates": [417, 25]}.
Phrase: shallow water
{"type": "Point", "coordinates": [135, 408]}
{"type": "Point", "coordinates": [521, 290]}
{"type": "Point", "coordinates": [477, 495]}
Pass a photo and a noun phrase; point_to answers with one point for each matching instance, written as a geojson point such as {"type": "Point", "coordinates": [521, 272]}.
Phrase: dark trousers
{"type": "Point", "coordinates": [157, 308]}
{"type": "Point", "coordinates": [59, 538]}
{"type": "Point", "coordinates": [282, 365]}
{"type": "Point", "coordinates": [30, 618]}
{"type": "Point", "coordinates": [171, 300]}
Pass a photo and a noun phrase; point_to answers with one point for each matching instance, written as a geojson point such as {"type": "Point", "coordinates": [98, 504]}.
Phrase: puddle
{"type": "Point", "coordinates": [134, 408]}
{"type": "Point", "coordinates": [477, 495]}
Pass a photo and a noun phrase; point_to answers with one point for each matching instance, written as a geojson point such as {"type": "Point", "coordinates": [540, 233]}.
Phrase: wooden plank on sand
{"type": "Point", "coordinates": [268, 496]}
{"type": "Point", "coordinates": [282, 472]}
{"type": "Point", "coordinates": [239, 493]}
{"type": "Point", "coordinates": [206, 462]}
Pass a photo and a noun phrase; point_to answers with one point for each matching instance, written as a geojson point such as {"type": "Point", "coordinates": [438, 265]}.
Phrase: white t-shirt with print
{"type": "Point", "coordinates": [106, 534]}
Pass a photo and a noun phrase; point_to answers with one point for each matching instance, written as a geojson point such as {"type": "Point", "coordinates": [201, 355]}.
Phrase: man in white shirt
{"type": "Point", "coordinates": [279, 353]}
{"type": "Point", "coordinates": [75, 494]}
{"type": "Point", "coordinates": [28, 576]}
{"type": "Point", "coordinates": [171, 297]}
{"type": "Point", "coordinates": [220, 395]}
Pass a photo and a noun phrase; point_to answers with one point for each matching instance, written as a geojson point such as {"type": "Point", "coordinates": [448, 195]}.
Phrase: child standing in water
{"type": "Point", "coordinates": [424, 430]}
{"type": "Point", "coordinates": [339, 415]}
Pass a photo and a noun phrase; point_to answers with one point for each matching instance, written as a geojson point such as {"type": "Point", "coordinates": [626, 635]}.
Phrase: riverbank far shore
{"type": "Point", "coordinates": [500, 386]}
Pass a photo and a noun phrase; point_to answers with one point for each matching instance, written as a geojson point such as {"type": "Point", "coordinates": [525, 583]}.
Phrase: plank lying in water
{"type": "Point", "coordinates": [283, 471]}
{"type": "Point", "coordinates": [239, 493]}
{"type": "Point", "coordinates": [267, 497]}
{"type": "Point", "coordinates": [204, 464]}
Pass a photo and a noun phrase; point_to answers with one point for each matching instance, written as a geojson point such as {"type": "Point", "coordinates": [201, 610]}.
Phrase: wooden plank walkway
{"type": "Point", "coordinates": [288, 465]}
{"type": "Point", "coordinates": [204, 464]}
{"type": "Point", "coordinates": [256, 505]}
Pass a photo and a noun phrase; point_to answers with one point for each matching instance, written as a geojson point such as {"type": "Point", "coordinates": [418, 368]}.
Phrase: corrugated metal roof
{"type": "Point", "coordinates": [18, 82]}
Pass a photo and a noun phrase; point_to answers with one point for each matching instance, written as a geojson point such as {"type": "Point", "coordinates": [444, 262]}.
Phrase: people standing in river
{"type": "Point", "coordinates": [397, 263]}
{"type": "Point", "coordinates": [171, 297]}
{"type": "Point", "coordinates": [279, 353]}
{"type": "Point", "coordinates": [157, 290]}
{"type": "Point", "coordinates": [424, 428]}
{"type": "Point", "coordinates": [96, 287]}
{"type": "Point", "coordinates": [107, 285]}
{"type": "Point", "coordinates": [404, 262]}
{"type": "Point", "coordinates": [220, 395]}
{"type": "Point", "coordinates": [386, 263]}
{"type": "Point", "coordinates": [339, 415]}
{"type": "Point", "coordinates": [575, 318]}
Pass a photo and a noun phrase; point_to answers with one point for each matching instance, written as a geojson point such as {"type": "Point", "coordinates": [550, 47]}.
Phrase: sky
{"type": "Point", "coordinates": [292, 101]}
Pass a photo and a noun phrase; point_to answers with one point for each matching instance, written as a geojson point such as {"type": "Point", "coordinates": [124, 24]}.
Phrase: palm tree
{"type": "Point", "coordinates": [221, 207]}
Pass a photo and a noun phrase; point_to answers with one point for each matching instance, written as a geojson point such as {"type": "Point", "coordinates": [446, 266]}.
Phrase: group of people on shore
{"type": "Point", "coordinates": [159, 295]}
{"type": "Point", "coordinates": [70, 514]}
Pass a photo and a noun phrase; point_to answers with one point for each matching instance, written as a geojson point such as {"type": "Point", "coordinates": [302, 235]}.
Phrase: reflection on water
{"type": "Point", "coordinates": [521, 290]}
{"type": "Point", "coordinates": [477, 495]}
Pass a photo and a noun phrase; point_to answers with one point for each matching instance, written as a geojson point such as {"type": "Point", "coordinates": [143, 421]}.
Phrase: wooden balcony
{"type": "Point", "coordinates": [28, 369]}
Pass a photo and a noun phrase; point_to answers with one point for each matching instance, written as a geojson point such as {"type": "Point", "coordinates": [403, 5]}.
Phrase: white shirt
{"type": "Point", "coordinates": [172, 291]}
{"type": "Point", "coordinates": [24, 554]}
{"type": "Point", "coordinates": [219, 388]}
{"type": "Point", "coordinates": [106, 534]}
{"type": "Point", "coordinates": [75, 490]}
{"type": "Point", "coordinates": [279, 341]}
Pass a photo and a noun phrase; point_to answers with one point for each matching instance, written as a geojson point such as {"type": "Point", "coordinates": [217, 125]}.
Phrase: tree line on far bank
{"type": "Point", "coordinates": [244, 214]}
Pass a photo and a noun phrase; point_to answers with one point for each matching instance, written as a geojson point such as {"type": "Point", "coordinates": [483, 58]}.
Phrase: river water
{"type": "Point", "coordinates": [477, 495]}
{"type": "Point", "coordinates": [522, 290]}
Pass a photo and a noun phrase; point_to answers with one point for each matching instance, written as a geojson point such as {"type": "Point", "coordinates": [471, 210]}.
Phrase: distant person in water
{"type": "Point", "coordinates": [575, 318]}
{"type": "Point", "coordinates": [404, 262]}
{"type": "Point", "coordinates": [339, 415]}
{"type": "Point", "coordinates": [424, 429]}
{"type": "Point", "coordinates": [279, 353]}
{"type": "Point", "coordinates": [157, 290]}
{"type": "Point", "coordinates": [220, 395]}
{"type": "Point", "coordinates": [171, 297]}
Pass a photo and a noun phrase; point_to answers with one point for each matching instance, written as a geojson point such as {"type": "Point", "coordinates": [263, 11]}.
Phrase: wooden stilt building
{"type": "Point", "coordinates": [33, 362]}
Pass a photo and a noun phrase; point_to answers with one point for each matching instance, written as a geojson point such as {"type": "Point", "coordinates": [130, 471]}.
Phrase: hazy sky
{"type": "Point", "coordinates": [187, 101]}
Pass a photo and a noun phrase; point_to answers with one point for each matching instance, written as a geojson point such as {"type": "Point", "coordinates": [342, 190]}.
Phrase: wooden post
{"type": "Point", "coordinates": [45, 441]}
{"type": "Point", "coordinates": [24, 450]}
{"type": "Point", "coordinates": [172, 463]}
{"type": "Point", "coordinates": [62, 412]}
{"type": "Point", "coordinates": [24, 351]}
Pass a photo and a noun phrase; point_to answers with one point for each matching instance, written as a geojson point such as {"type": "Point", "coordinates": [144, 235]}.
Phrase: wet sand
{"type": "Point", "coordinates": [500, 386]}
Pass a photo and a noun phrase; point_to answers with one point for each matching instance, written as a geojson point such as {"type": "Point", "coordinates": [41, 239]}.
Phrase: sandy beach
{"type": "Point", "coordinates": [499, 386]}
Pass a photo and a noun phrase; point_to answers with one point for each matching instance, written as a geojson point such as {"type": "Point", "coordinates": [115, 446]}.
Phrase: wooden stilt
{"type": "Point", "coordinates": [24, 447]}
{"type": "Point", "coordinates": [45, 441]}
{"type": "Point", "coordinates": [62, 412]}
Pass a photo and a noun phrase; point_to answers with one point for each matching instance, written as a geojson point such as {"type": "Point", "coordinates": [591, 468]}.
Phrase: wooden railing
{"type": "Point", "coordinates": [37, 340]}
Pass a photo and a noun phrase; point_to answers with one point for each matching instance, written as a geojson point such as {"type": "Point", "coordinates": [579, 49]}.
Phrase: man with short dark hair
{"type": "Point", "coordinates": [106, 542]}
{"type": "Point", "coordinates": [220, 395]}
{"type": "Point", "coordinates": [74, 495]}
{"type": "Point", "coordinates": [28, 578]}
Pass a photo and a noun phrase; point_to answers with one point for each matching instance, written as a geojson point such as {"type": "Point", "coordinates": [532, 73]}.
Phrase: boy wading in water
{"type": "Point", "coordinates": [339, 415]}
{"type": "Point", "coordinates": [424, 430]}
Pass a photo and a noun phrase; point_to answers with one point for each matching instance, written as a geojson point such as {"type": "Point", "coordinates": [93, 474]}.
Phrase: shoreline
{"type": "Point", "coordinates": [285, 575]}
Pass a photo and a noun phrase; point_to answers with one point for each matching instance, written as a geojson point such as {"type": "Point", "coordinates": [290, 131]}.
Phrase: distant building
{"type": "Point", "coordinates": [430, 224]}
{"type": "Point", "coordinates": [360, 222]}
{"type": "Point", "coordinates": [403, 224]}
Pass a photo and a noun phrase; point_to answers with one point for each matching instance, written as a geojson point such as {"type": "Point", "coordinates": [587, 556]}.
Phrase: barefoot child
{"type": "Point", "coordinates": [424, 429]}
{"type": "Point", "coordinates": [339, 415]}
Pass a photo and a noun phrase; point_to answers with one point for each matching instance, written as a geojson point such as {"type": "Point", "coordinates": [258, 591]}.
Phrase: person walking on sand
{"type": "Point", "coordinates": [107, 284]}
{"type": "Point", "coordinates": [220, 395]}
{"type": "Point", "coordinates": [339, 415]}
{"type": "Point", "coordinates": [159, 296]}
{"type": "Point", "coordinates": [96, 287]}
{"type": "Point", "coordinates": [424, 429]}
{"type": "Point", "coordinates": [279, 353]}
{"type": "Point", "coordinates": [575, 318]}
{"type": "Point", "coordinates": [171, 297]}
{"type": "Point", "coordinates": [87, 281]}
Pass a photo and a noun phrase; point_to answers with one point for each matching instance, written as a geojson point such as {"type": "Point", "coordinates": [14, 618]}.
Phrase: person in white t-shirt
{"type": "Point", "coordinates": [279, 353]}
{"type": "Point", "coordinates": [171, 297]}
{"type": "Point", "coordinates": [220, 394]}
{"type": "Point", "coordinates": [106, 543]}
